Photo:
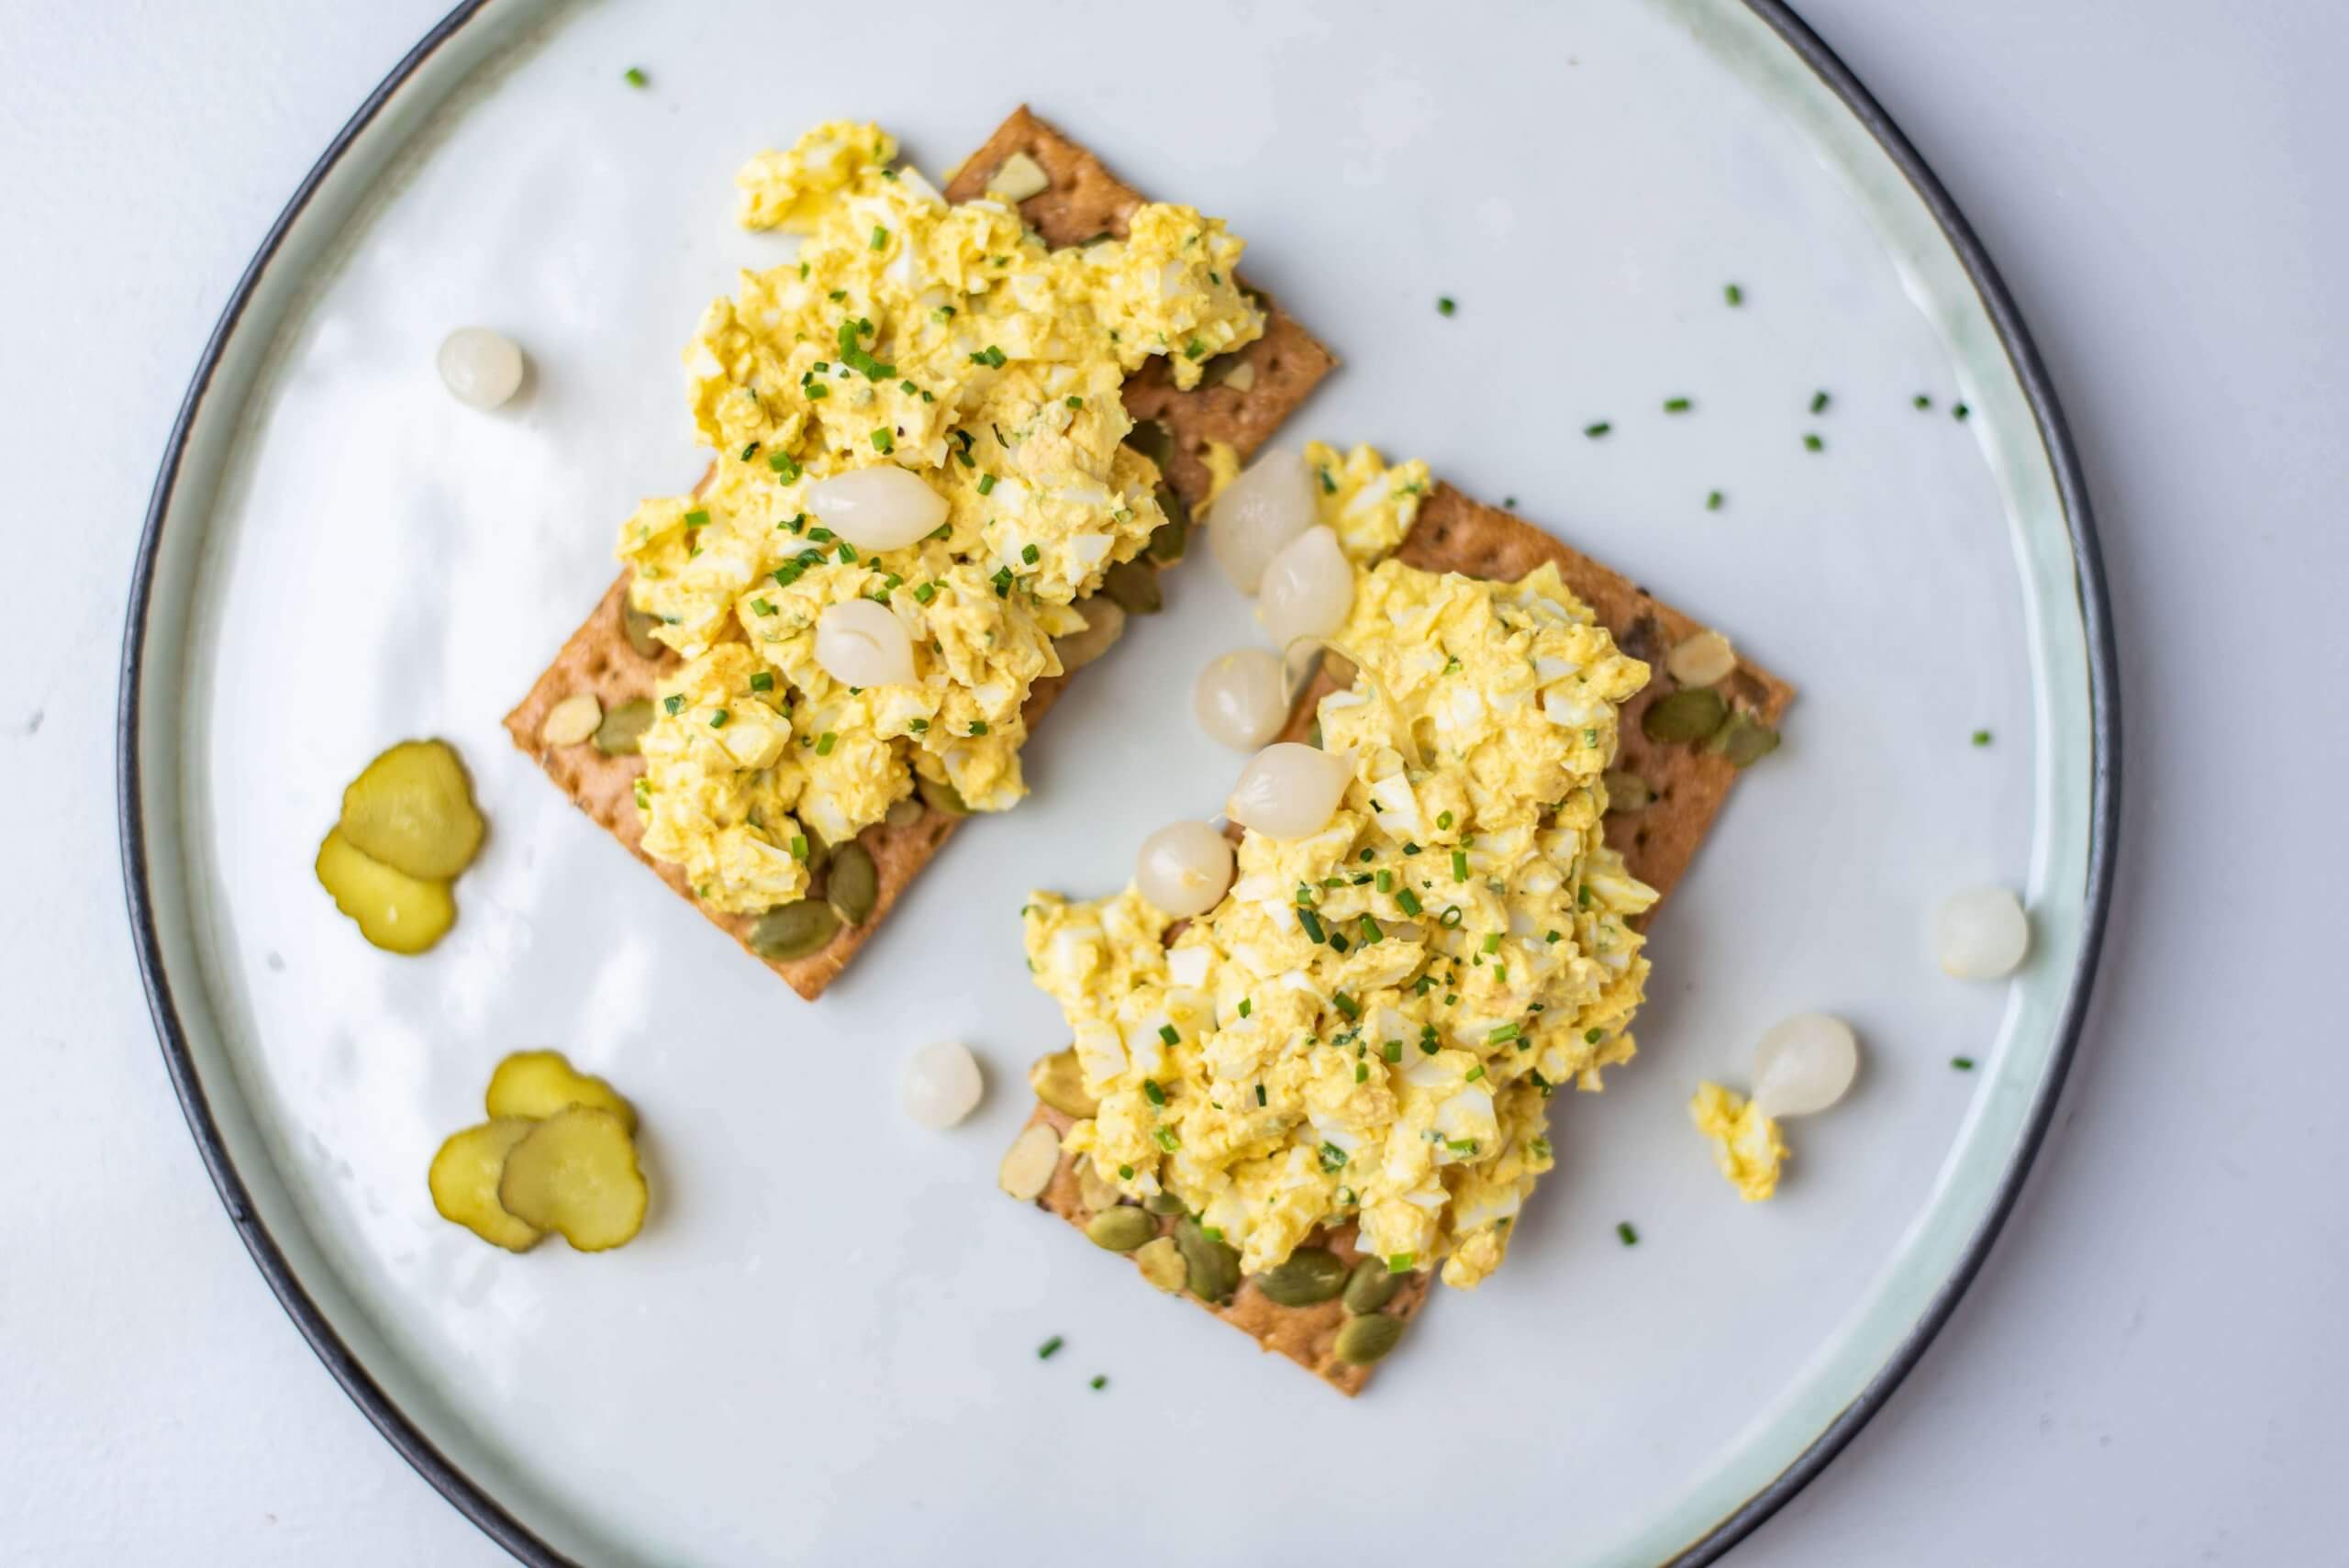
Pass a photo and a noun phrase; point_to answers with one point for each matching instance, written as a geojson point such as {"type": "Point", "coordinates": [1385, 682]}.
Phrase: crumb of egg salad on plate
{"type": "Point", "coordinates": [1368, 1026]}
{"type": "Point", "coordinates": [1746, 1144]}
{"type": "Point", "coordinates": [920, 469]}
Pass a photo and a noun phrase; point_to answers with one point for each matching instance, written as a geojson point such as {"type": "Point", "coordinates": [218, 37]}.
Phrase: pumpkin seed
{"type": "Point", "coordinates": [1152, 439]}
{"type": "Point", "coordinates": [1211, 1268]}
{"type": "Point", "coordinates": [1743, 740]}
{"type": "Point", "coordinates": [854, 884]}
{"type": "Point", "coordinates": [1374, 1284]}
{"type": "Point", "coordinates": [1626, 791]}
{"type": "Point", "coordinates": [1121, 1229]}
{"type": "Point", "coordinates": [1168, 540]}
{"type": "Point", "coordinates": [1133, 588]}
{"type": "Point", "coordinates": [1690, 714]}
{"type": "Point", "coordinates": [1703, 660]}
{"type": "Point", "coordinates": [1310, 1274]}
{"type": "Point", "coordinates": [793, 930]}
{"type": "Point", "coordinates": [1029, 1164]}
{"type": "Point", "coordinates": [1165, 1203]}
{"type": "Point", "coordinates": [1367, 1340]}
{"type": "Point", "coordinates": [571, 720]}
{"type": "Point", "coordinates": [623, 727]}
{"type": "Point", "coordinates": [940, 796]}
{"type": "Point", "coordinates": [1161, 1263]}
{"type": "Point", "coordinates": [639, 626]}
{"type": "Point", "coordinates": [1093, 1190]}
{"type": "Point", "coordinates": [1059, 1082]}
{"type": "Point", "coordinates": [904, 811]}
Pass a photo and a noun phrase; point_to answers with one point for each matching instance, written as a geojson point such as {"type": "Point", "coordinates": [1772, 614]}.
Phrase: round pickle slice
{"type": "Point", "coordinates": [623, 727]}
{"type": "Point", "coordinates": [793, 930]}
{"type": "Point", "coordinates": [413, 809]}
{"type": "Point", "coordinates": [537, 1083]}
{"type": "Point", "coordinates": [854, 883]}
{"type": "Point", "coordinates": [575, 1175]}
{"type": "Point", "coordinates": [1308, 1275]}
{"type": "Point", "coordinates": [395, 912]}
{"type": "Point", "coordinates": [464, 1178]}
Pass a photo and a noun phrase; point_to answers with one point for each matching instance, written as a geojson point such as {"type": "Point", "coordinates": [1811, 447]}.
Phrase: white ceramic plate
{"type": "Point", "coordinates": [824, 1346]}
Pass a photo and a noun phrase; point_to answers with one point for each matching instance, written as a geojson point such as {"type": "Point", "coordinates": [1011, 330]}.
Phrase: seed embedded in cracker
{"type": "Point", "coordinates": [1091, 1190]}
{"type": "Point", "coordinates": [1704, 660]}
{"type": "Point", "coordinates": [1028, 1167]}
{"type": "Point", "coordinates": [571, 720]}
{"type": "Point", "coordinates": [1162, 1264]}
{"type": "Point", "coordinates": [1018, 178]}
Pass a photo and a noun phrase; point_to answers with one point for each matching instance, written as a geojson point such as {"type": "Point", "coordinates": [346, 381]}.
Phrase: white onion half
{"type": "Point", "coordinates": [881, 508]}
{"type": "Point", "coordinates": [941, 1085]}
{"type": "Point", "coordinates": [1981, 933]}
{"type": "Point", "coordinates": [1288, 790]}
{"type": "Point", "coordinates": [1184, 868]}
{"type": "Point", "coordinates": [860, 643]}
{"type": "Point", "coordinates": [1270, 504]}
{"type": "Point", "coordinates": [1241, 698]}
{"type": "Point", "coordinates": [1307, 589]}
{"type": "Point", "coordinates": [481, 368]}
{"type": "Point", "coordinates": [1804, 1065]}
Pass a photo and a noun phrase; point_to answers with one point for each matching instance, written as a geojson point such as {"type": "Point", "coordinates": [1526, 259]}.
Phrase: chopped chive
{"type": "Point", "coordinates": [1386, 880]}
{"type": "Point", "coordinates": [845, 551]}
{"type": "Point", "coordinates": [818, 390]}
{"type": "Point", "coordinates": [1445, 305]}
{"type": "Point", "coordinates": [1713, 500]}
{"type": "Point", "coordinates": [1098, 1381]}
{"type": "Point", "coordinates": [1077, 402]}
{"type": "Point", "coordinates": [1332, 1157]}
{"type": "Point", "coordinates": [1733, 294]}
{"type": "Point", "coordinates": [1167, 1139]}
{"type": "Point", "coordinates": [1372, 931]}
{"type": "Point", "coordinates": [882, 441]}
{"type": "Point", "coordinates": [800, 846]}
{"type": "Point", "coordinates": [880, 238]}
{"type": "Point", "coordinates": [1338, 942]}
{"type": "Point", "coordinates": [762, 680]}
{"type": "Point", "coordinates": [1459, 865]}
{"type": "Point", "coordinates": [1168, 1033]}
{"type": "Point", "coordinates": [925, 591]}
{"type": "Point", "coordinates": [634, 76]}
{"type": "Point", "coordinates": [1981, 738]}
{"type": "Point", "coordinates": [717, 720]}
{"type": "Point", "coordinates": [1963, 1063]}
{"type": "Point", "coordinates": [1246, 1006]}
{"type": "Point", "coordinates": [1151, 1091]}
{"type": "Point", "coordinates": [986, 483]}
{"type": "Point", "coordinates": [1818, 401]}
{"type": "Point", "coordinates": [1044, 1352]}
{"type": "Point", "coordinates": [1400, 1264]}
{"type": "Point", "coordinates": [1492, 941]}
{"type": "Point", "coordinates": [784, 465]}
{"type": "Point", "coordinates": [1451, 917]}
{"type": "Point", "coordinates": [1596, 431]}
{"type": "Point", "coordinates": [1346, 1004]}
{"type": "Point", "coordinates": [1473, 1074]}
{"type": "Point", "coordinates": [1921, 401]}
{"type": "Point", "coordinates": [1362, 1072]}
{"type": "Point", "coordinates": [1029, 553]}
{"type": "Point", "coordinates": [978, 726]}
{"type": "Point", "coordinates": [1628, 1237]}
{"type": "Point", "coordinates": [1125, 1172]}
{"type": "Point", "coordinates": [1811, 442]}
{"type": "Point", "coordinates": [672, 704]}
{"type": "Point", "coordinates": [1676, 406]}
{"type": "Point", "coordinates": [1959, 411]}
{"type": "Point", "coordinates": [1392, 1050]}
{"type": "Point", "coordinates": [1312, 924]}
{"type": "Point", "coordinates": [1260, 1093]}
{"type": "Point", "coordinates": [696, 518]}
{"type": "Point", "coordinates": [825, 742]}
{"type": "Point", "coordinates": [1502, 1035]}
{"type": "Point", "coordinates": [1407, 901]}
{"type": "Point", "coordinates": [1593, 1036]}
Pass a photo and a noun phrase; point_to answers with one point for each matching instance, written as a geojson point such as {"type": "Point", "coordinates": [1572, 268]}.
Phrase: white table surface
{"type": "Point", "coordinates": [2151, 1368]}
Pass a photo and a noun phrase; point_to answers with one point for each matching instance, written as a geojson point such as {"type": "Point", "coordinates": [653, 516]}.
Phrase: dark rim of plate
{"type": "Point", "coordinates": [475, 1501]}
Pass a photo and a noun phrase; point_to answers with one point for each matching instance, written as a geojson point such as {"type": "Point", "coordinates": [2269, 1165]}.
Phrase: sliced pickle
{"type": "Point", "coordinates": [575, 1175]}
{"type": "Point", "coordinates": [854, 884]}
{"type": "Point", "coordinates": [1133, 587]}
{"type": "Point", "coordinates": [623, 727]}
{"type": "Point", "coordinates": [1687, 714]}
{"type": "Point", "coordinates": [639, 624]}
{"type": "Point", "coordinates": [396, 912]}
{"type": "Point", "coordinates": [537, 1084]}
{"type": "Point", "coordinates": [793, 930]}
{"type": "Point", "coordinates": [413, 810]}
{"type": "Point", "coordinates": [464, 1178]}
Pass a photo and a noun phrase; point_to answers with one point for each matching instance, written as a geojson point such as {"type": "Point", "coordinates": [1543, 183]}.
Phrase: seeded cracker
{"type": "Point", "coordinates": [1083, 200]}
{"type": "Point", "coordinates": [1455, 534]}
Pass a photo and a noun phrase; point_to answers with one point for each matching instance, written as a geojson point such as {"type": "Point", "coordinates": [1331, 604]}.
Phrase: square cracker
{"type": "Point", "coordinates": [1083, 200]}
{"type": "Point", "coordinates": [1455, 534]}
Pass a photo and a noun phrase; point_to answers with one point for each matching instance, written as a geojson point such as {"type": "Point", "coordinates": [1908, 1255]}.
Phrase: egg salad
{"type": "Point", "coordinates": [1368, 1027]}
{"type": "Point", "coordinates": [1746, 1145]}
{"type": "Point", "coordinates": [914, 360]}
